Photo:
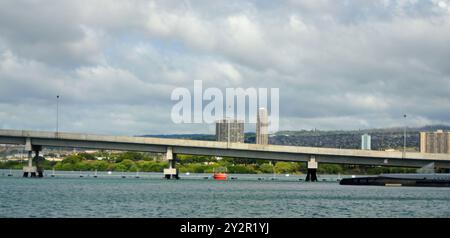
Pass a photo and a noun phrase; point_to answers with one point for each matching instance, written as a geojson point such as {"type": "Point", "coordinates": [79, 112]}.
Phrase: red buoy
{"type": "Point", "coordinates": [220, 176]}
{"type": "Point", "coordinates": [220, 173]}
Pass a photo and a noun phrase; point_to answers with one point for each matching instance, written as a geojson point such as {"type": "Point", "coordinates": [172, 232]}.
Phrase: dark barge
{"type": "Point", "coordinates": [410, 180]}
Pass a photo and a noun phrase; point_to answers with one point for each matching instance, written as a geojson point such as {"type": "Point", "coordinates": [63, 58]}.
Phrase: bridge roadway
{"type": "Point", "coordinates": [223, 149]}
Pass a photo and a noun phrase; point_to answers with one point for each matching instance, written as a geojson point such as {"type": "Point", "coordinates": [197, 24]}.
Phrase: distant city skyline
{"type": "Point", "coordinates": [337, 64]}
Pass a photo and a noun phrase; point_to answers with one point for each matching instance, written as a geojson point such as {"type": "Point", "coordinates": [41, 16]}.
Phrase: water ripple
{"type": "Point", "coordinates": [116, 197]}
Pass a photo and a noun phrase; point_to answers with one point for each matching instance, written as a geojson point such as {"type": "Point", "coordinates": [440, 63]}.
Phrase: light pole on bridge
{"type": "Point", "coordinates": [57, 113]}
{"type": "Point", "coordinates": [404, 137]}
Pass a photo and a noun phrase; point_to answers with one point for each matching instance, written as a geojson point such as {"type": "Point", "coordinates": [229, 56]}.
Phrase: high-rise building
{"type": "Point", "coordinates": [230, 130]}
{"type": "Point", "coordinates": [365, 142]}
{"type": "Point", "coordinates": [435, 142]}
{"type": "Point", "coordinates": [262, 131]}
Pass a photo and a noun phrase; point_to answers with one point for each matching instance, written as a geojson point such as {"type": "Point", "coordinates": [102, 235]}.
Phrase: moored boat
{"type": "Point", "coordinates": [412, 180]}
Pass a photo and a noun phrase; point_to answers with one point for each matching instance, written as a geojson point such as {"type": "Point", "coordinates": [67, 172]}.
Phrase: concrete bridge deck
{"type": "Point", "coordinates": [213, 148]}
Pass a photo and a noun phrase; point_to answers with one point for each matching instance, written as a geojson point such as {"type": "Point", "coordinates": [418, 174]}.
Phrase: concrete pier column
{"type": "Point", "coordinates": [29, 170]}
{"type": "Point", "coordinates": [312, 169]}
{"type": "Point", "coordinates": [39, 169]}
{"type": "Point", "coordinates": [171, 172]}
{"type": "Point", "coordinates": [26, 168]}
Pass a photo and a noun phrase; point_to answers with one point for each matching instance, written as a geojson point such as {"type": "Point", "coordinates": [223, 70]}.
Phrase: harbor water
{"type": "Point", "coordinates": [75, 194]}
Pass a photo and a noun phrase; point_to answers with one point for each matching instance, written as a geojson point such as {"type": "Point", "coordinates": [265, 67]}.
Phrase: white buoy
{"type": "Point", "coordinates": [109, 172]}
{"type": "Point", "coordinates": [187, 173]}
{"type": "Point", "coordinates": [353, 176]}
{"type": "Point", "coordinates": [287, 175]}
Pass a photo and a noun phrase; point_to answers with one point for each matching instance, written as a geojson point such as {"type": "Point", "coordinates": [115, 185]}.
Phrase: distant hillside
{"type": "Point", "coordinates": [249, 137]}
{"type": "Point", "coordinates": [185, 136]}
{"type": "Point", "coordinates": [375, 130]}
{"type": "Point", "coordinates": [382, 138]}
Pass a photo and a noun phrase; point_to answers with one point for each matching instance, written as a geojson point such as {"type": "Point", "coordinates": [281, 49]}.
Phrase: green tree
{"type": "Point", "coordinates": [330, 169]}
{"type": "Point", "coordinates": [100, 165]}
{"type": "Point", "coordinates": [286, 167]}
{"type": "Point", "coordinates": [266, 168]}
{"type": "Point", "coordinates": [151, 166]}
{"type": "Point", "coordinates": [187, 159]}
{"type": "Point", "coordinates": [130, 155]}
{"type": "Point", "coordinates": [194, 168]}
{"type": "Point", "coordinates": [242, 169]}
{"type": "Point", "coordinates": [119, 167]}
{"type": "Point", "coordinates": [87, 156]}
{"type": "Point", "coordinates": [72, 159]}
{"type": "Point", "coordinates": [127, 164]}
{"type": "Point", "coordinates": [82, 166]}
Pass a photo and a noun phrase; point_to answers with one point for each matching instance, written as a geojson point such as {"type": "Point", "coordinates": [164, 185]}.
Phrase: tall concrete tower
{"type": "Point", "coordinates": [230, 130]}
{"type": "Point", "coordinates": [262, 131]}
{"type": "Point", "coordinates": [435, 142]}
{"type": "Point", "coordinates": [365, 142]}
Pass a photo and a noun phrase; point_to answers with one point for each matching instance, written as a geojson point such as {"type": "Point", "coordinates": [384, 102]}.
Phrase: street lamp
{"type": "Point", "coordinates": [404, 137]}
{"type": "Point", "coordinates": [57, 113]}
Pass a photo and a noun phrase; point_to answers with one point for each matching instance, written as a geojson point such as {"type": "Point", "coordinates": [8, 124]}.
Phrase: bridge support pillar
{"type": "Point", "coordinates": [171, 172]}
{"type": "Point", "coordinates": [312, 170]}
{"type": "Point", "coordinates": [31, 170]}
{"type": "Point", "coordinates": [39, 169]}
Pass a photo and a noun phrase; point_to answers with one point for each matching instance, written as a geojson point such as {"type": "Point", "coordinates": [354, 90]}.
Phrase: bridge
{"type": "Point", "coordinates": [35, 140]}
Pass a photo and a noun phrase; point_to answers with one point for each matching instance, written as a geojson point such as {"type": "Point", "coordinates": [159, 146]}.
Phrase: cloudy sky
{"type": "Point", "coordinates": [338, 64]}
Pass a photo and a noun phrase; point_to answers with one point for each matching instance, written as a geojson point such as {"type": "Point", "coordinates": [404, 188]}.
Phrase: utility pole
{"type": "Point", "coordinates": [404, 138]}
{"type": "Point", "coordinates": [57, 123]}
{"type": "Point", "coordinates": [57, 113]}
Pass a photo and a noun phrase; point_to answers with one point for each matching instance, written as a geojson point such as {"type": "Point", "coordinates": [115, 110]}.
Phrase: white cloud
{"type": "Point", "coordinates": [337, 64]}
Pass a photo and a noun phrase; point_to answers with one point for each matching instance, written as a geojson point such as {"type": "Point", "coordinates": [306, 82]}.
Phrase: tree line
{"type": "Point", "coordinates": [150, 162]}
